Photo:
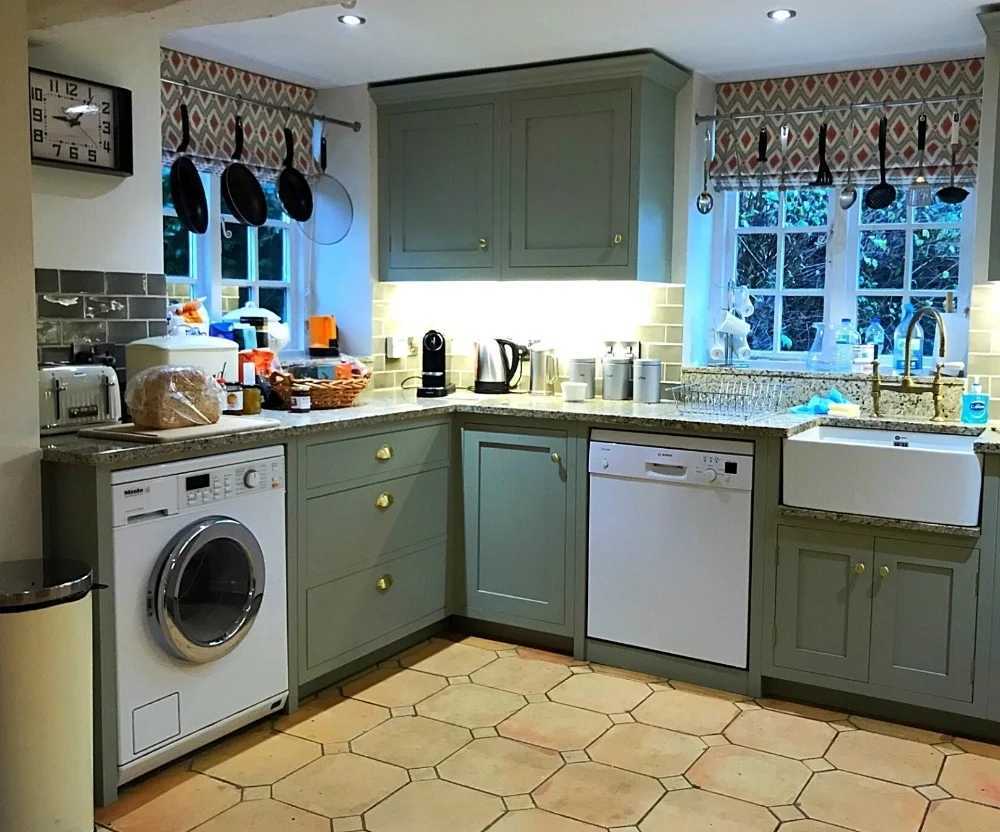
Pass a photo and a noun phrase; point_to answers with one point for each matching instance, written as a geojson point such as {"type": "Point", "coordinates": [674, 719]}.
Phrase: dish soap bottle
{"type": "Point", "coordinates": [916, 344]}
{"type": "Point", "coordinates": [975, 405]}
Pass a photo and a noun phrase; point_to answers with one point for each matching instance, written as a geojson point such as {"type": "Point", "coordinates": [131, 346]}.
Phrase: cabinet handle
{"type": "Point", "coordinates": [384, 453]}
{"type": "Point", "coordinates": [859, 569]}
{"type": "Point", "coordinates": [483, 244]}
{"type": "Point", "coordinates": [556, 458]}
{"type": "Point", "coordinates": [383, 501]}
{"type": "Point", "coordinates": [617, 239]}
{"type": "Point", "coordinates": [383, 583]}
{"type": "Point", "coordinates": [884, 572]}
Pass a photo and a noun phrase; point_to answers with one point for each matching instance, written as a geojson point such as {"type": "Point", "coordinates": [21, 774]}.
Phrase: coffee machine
{"type": "Point", "coordinates": [434, 376]}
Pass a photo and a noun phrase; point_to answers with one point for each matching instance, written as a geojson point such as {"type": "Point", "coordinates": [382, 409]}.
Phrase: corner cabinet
{"type": "Point", "coordinates": [532, 173]}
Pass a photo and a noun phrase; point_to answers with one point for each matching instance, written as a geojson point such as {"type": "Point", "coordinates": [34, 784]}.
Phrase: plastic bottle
{"type": "Point", "coordinates": [848, 340]}
{"type": "Point", "coordinates": [874, 340]}
{"type": "Point", "coordinates": [916, 344]}
{"type": "Point", "coordinates": [975, 405]}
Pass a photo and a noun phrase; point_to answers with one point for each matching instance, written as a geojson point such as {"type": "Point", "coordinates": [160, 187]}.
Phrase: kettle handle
{"type": "Point", "coordinates": [513, 365]}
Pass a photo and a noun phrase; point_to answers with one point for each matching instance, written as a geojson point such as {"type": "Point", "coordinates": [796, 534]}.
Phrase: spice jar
{"type": "Point", "coordinates": [234, 399]}
{"type": "Point", "coordinates": [252, 395]}
{"type": "Point", "coordinates": [301, 403]}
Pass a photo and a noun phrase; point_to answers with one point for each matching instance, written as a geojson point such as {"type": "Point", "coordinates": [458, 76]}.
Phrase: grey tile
{"type": "Point", "coordinates": [147, 308]}
{"type": "Point", "coordinates": [157, 328]}
{"type": "Point", "coordinates": [126, 283]}
{"type": "Point", "coordinates": [60, 306]}
{"type": "Point", "coordinates": [105, 307]}
{"type": "Point", "coordinates": [85, 332]}
{"type": "Point", "coordinates": [55, 355]}
{"type": "Point", "coordinates": [48, 333]}
{"type": "Point", "coordinates": [156, 284]}
{"type": "Point", "coordinates": [72, 281]}
{"type": "Point", "coordinates": [46, 280]}
{"type": "Point", "coordinates": [124, 332]}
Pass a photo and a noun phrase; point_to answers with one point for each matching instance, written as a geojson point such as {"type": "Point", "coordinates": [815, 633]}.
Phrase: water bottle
{"type": "Point", "coordinates": [874, 340]}
{"type": "Point", "coordinates": [847, 340]}
{"type": "Point", "coordinates": [916, 344]}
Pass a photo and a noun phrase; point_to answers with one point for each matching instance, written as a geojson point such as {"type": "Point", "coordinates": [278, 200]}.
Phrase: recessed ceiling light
{"type": "Point", "coordinates": [782, 14]}
{"type": "Point", "coordinates": [352, 20]}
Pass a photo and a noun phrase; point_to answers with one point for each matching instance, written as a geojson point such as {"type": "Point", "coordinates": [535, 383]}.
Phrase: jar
{"type": "Point", "coordinates": [301, 403]}
{"type": "Point", "coordinates": [234, 399]}
{"type": "Point", "coordinates": [252, 400]}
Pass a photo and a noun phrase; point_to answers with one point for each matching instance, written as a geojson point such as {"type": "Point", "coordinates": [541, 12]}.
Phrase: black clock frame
{"type": "Point", "coordinates": [121, 129]}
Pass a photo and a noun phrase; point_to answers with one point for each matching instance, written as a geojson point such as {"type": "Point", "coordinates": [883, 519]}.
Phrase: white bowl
{"type": "Point", "coordinates": [574, 391]}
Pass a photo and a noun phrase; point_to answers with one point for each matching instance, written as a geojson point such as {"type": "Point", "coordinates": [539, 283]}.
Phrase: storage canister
{"type": "Point", "coordinates": [584, 370]}
{"type": "Point", "coordinates": [617, 379]}
{"type": "Point", "coordinates": [646, 377]}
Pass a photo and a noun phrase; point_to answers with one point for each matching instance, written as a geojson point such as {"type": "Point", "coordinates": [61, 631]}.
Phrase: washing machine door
{"type": "Point", "coordinates": [206, 590]}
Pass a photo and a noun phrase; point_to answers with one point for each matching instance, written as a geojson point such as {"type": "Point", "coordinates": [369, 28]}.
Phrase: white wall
{"type": "Point", "coordinates": [94, 221]}
{"type": "Point", "coordinates": [20, 500]}
{"type": "Point", "coordinates": [342, 275]}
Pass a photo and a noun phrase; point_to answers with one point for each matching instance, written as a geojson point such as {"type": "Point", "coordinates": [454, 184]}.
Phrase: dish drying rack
{"type": "Point", "coordinates": [739, 398]}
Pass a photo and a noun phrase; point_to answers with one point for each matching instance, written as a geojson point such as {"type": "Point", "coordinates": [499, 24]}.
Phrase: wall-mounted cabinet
{"type": "Point", "coordinates": [562, 171]}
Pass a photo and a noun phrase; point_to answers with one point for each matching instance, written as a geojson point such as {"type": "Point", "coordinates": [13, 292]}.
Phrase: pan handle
{"type": "Point", "coordinates": [238, 152]}
{"type": "Point", "coordinates": [289, 149]}
{"type": "Point", "coordinates": [322, 153]}
{"type": "Point", "coordinates": [185, 130]}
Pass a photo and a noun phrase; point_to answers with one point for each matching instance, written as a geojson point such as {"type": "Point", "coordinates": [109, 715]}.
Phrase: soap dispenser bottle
{"type": "Point", "coordinates": [975, 405]}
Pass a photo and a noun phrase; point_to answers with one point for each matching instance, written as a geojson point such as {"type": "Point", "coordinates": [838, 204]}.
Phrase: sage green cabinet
{"type": "Point", "coordinates": [519, 518]}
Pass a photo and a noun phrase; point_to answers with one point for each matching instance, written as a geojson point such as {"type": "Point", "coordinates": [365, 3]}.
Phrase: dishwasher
{"type": "Point", "coordinates": [669, 549]}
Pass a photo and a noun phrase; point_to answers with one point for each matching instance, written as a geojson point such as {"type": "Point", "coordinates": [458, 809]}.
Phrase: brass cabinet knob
{"type": "Point", "coordinates": [483, 244]}
{"type": "Point", "coordinates": [884, 572]}
{"type": "Point", "coordinates": [383, 583]}
{"type": "Point", "coordinates": [859, 569]}
{"type": "Point", "coordinates": [384, 453]}
{"type": "Point", "coordinates": [556, 458]}
{"type": "Point", "coordinates": [383, 501]}
{"type": "Point", "coordinates": [618, 239]}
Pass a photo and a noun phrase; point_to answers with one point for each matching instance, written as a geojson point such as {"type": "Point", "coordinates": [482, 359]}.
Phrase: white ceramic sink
{"type": "Point", "coordinates": [930, 477]}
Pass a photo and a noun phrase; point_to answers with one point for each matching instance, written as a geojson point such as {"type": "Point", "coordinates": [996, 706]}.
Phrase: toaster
{"type": "Point", "coordinates": [74, 396]}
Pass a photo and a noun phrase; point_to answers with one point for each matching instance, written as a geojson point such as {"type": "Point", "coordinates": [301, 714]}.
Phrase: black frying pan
{"type": "Point", "coordinates": [293, 189]}
{"type": "Point", "coordinates": [240, 189]}
{"type": "Point", "coordinates": [186, 188]}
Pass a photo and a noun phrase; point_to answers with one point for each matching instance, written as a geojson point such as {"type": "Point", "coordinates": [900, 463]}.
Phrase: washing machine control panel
{"type": "Point", "coordinates": [222, 484]}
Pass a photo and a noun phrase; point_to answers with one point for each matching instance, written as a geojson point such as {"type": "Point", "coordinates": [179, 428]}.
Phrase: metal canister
{"type": "Point", "coordinates": [647, 376]}
{"type": "Point", "coordinates": [544, 370]}
{"type": "Point", "coordinates": [584, 370]}
{"type": "Point", "coordinates": [616, 382]}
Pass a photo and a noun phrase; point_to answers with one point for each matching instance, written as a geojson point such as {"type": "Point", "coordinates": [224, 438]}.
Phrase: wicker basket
{"type": "Point", "coordinates": [324, 394]}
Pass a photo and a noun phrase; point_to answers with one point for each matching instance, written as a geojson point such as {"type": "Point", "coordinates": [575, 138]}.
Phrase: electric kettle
{"type": "Point", "coordinates": [497, 362]}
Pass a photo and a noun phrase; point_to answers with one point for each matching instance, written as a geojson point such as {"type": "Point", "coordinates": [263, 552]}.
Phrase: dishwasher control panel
{"type": "Point", "coordinates": [690, 467]}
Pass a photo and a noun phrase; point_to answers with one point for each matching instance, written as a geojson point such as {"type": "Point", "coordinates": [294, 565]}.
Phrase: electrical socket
{"type": "Point", "coordinates": [411, 346]}
{"type": "Point", "coordinates": [396, 347]}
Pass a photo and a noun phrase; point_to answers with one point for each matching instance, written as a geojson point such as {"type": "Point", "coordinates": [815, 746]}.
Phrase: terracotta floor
{"type": "Point", "coordinates": [467, 734]}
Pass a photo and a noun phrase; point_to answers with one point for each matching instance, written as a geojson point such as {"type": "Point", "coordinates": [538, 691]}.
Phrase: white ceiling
{"type": "Point", "coordinates": [725, 39]}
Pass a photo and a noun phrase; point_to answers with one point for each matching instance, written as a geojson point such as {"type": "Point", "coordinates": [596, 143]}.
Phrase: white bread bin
{"type": "Point", "coordinates": [208, 353]}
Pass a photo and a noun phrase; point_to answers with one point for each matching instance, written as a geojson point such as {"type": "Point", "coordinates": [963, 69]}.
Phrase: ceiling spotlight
{"type": "Point", "coordinates": [782, 14]}
{"type": "Point", "coordinates": [351, 20]}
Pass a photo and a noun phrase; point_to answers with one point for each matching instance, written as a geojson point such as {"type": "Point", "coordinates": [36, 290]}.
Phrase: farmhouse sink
{"type": "Point", "coordinates": [928, 477]}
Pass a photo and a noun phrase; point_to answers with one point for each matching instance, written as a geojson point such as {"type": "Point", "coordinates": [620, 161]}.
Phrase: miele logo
{"type": "Point", "coordinates": [135, 492]}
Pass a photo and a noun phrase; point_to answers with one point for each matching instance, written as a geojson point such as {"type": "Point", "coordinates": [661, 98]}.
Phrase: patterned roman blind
{"type": "Point", "coordinates": [736, 146]}
{"type": "Point", "coordinates": [212, 118]}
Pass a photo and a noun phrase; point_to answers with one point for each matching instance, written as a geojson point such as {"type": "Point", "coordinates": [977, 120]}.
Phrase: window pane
{"type": "Point", "coordinates": [883, 260]}
{"type": "Point", "coordinates": [929, 327]}
{"type": "Point", "coordinates": [271, 253]}
{"type": "Point", "coordinates": [274, 209]}
{"type": "Point", "coordinates": [176, 248]}
{"type": "Point", "coordinates": [935, 259]}
{"type": "Point", "coordinates": [275, 299]}
{"type": "Point", "coordinates": [895, 213]}
{"type": "Point", "coordinates": [888, 308]}
{"type": "Point", "coordinates": [805, 261]}
{"type": "Point", "coordinates": [235, 258]}
{"type": "Point", "coordinates": [757, 260]}
{"type": "Point", "coordinates": [168, 197]}
{"type": "Point", "coordinates": [758, 210]}
{"type": "Point", "coordinates": [761, 335]}
{"type": "Point", "coordinates": [179, 292]}
{"type": "Point", "coordinates": [807, 208]}
{"type": "Point", "coordinates": [233, 297]}
{"type": "Point", "coordinates": [938, 212]}
{"type": "Point", "coordinates": [798, 314]}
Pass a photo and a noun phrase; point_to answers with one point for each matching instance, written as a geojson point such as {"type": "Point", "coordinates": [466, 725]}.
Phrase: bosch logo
{"type": "Point", "coordinates": [135, 492]}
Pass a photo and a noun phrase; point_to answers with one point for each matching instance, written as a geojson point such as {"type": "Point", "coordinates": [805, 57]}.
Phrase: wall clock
{"type": "Point", "coordinates": [79, 124]}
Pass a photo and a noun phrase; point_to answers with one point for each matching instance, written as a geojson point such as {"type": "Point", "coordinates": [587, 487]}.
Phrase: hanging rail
{"type": "Point", "coordinates": [353, 125]}
{"type": "Point", "coordinates": [838, 108]}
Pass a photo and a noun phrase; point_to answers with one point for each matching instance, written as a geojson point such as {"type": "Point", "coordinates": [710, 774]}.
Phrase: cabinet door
{"type": "Point", "coordinates": [516, 525]}
{"type": "Point", "coordinates": [570, 180]}
{"type": "Point", "coordinates": [441, 189]}
{"type": "Point", "coordinates": [823, 602]}
{"type": "Point", "coordinates": [924, 618]}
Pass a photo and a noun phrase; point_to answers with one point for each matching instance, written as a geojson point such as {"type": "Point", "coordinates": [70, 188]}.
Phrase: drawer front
{"type": "Point", "coordinates": [350, 529]}
{"type": "Point", "coordinates": [348, 613]}
{"type": "Point", "coordinates": [381, 455]}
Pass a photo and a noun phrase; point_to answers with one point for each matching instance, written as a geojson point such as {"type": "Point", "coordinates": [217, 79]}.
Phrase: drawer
{"type": "Point", "coordinates": [348, 530]}
{"type": "Point", "coordinates": [348, 613]}
{"type": "Point", "coordinates": [382, 455]}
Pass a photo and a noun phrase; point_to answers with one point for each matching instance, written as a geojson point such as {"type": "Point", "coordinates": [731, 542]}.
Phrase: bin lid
{"type": "Point", "coordinates": [43, 582]}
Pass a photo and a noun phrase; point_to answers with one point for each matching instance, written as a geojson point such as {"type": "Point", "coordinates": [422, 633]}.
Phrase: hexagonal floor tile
{"type": "Point", "coordinates": [600, 692]}
{"type": "Point", "coordinates": [712, 693]}
{"type": "Point", "coordinates": [983, 749]}
{"type": "Point", "coordinates": [789, 736]}
{"type": "Point", "coordinates": [412, 741]}
{"type": "Point", "coordinates": [536, 820]}
{"type": "Point", "coordinates": [256, 758]}
{"type": "Point", "coordinates": [521, 675]}
{"type": "Point", "coordinates": [745, 774]}
{"type": "Point", "coordinates": [434, 805]}
{"type": "Point", "coordinates": [690, 713]}
{"type": "Point", "coordinates": [801, 709]}
{"type": "Point", "coordinates": [961, 816]}
{"type": "Point", "coordinates": [331, 720]}
{"type": "Point", "coordinates": [809, 826]}
{"type": "Point", "coordinates": [471, 706]}
{"type": "Point", "coordinates": [888, 758]}
{"type": "Point", "coordinates": [394, 688]}
{"type": "Point", "coordinates": [598, 794]}
{"type": "Point", "coordinates": [446, 658]}
{"type": "Point", "coordinates": [340, 785]}
{"type": "Point", "coordinates": [862, 804]}
{"type": "Point", "coordinates": [624, 673]}
{"type": "Point", "coordinates": [555, 726]}
{"type": "Point", "coordinates": [972, 778]}
{"type": "Point", "coordinates": [266, 816]}
{"type": "Point", "coordinates": [903, 732]}
{"type": "Point", "coordinates": [501, 766]}
{"type": "Point", "coordinates": [693, 810]}
{"type": "Point", "coordinates": [647, 750]}
{"type": "Point", "coordinates": [534, 654]}
{"type": "Point", "coordinates": [174, 801]}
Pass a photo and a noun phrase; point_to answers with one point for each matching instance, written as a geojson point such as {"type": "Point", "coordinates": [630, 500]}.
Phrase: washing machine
{"type": "Point", "coordinates": [200, 605]}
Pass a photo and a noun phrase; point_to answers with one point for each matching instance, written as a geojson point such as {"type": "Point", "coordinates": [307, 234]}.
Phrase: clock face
{"type": "Point", "coordinates": [74, 122]}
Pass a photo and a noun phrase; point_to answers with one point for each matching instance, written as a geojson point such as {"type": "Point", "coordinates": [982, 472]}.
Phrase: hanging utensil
{"type": "Point", "coordinates": [824, 177]}
{"type": "Point", "coordinates": [952, 193]}
{"type": "Point", "coordinates": [883, 194]}
{"type": "Point", "coordinates": [333, 211]}
{"type": "Point", "coordinates": [705, 201]}
{"type": "Point", "coordinates": [186, 188]}
{"type": "Point", "coordinates": [762, 139]}
{"type": "Point", "coordinates": [784, 135]}
{"type": "Point", "coordinates": [920, 191]}
{"type": "Point", "coordinates": [293, 188]}
{"type": "Point", "coordinates": [242, 192]}
{"type": "Point", "coordinates": [849, 194]}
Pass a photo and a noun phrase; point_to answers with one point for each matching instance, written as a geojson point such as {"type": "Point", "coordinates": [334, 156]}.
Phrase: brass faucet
{"type": "Point", "coordinates": [907, 384]}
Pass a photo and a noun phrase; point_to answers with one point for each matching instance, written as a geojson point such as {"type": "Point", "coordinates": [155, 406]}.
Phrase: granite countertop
{"type": "Point", "coordinates": [883, 522]}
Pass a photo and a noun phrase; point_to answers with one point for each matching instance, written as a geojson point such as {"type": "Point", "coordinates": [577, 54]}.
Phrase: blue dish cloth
{"type": "Point", "coordinates": [820, 405]}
